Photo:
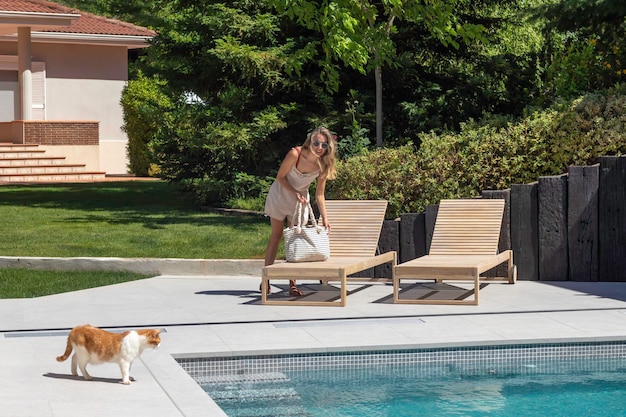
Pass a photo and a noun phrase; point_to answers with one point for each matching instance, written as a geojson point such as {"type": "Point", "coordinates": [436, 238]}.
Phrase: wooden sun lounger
{"type": "Point", "coordinates": [464, 245]}
{"type": "Point", "coordinates": [356, 226]}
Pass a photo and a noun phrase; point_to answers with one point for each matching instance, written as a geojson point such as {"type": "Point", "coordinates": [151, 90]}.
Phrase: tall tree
{"type": "Point", "coordinates": [139, 12]}
{"type": "Point", "coordinates": [359, 33]}
{"type": "Point", "coordinates": [433, 86]}
{"type": "Point", "coordinates": [230, 68]}
{"type": "Point", "coordinates": [586, 45]}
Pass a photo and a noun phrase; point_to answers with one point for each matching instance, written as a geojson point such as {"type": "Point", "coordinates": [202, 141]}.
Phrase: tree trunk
{"type": "Point", "coordinates": [378, 75]}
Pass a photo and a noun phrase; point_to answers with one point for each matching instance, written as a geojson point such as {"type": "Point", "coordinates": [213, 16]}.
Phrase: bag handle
{"type": "Point", "coordinates": [298, 219]}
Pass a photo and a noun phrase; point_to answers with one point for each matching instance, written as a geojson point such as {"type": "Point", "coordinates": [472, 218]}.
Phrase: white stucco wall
{"type": "Point", "coordinates": [85, 82]}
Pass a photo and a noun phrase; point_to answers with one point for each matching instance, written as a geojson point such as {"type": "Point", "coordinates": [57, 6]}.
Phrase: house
{"type": "Point", "coordinates": [62, 72]}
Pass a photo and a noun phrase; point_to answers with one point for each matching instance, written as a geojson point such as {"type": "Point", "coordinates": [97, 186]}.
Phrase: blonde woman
{"type": "Point", "coordinates": [314, 160]}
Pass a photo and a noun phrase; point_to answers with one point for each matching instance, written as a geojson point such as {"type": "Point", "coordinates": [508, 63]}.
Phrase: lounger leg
{"type": "Point", "coordinates": [396, 285]}
{"type": "Point", "coordinates": [476, 287]}
{"type": "Point", "coordinates": [264, 285]}
{"type": "Point", "coordinates": [512, 269]}
{"type": "Point", "coordinates": [344, 291]}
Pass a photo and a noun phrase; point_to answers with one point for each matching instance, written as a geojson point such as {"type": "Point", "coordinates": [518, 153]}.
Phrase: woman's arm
{"type": "Point", "coordinates": [320, 199]}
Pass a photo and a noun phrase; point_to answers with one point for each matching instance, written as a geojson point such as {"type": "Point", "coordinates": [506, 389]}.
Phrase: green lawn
{"type": "Point", "coordinates": [121, 219]}
{"type": "Point", "coordinates": [28, 283]}
{"type": "Point", "coordinates": [112, 219]}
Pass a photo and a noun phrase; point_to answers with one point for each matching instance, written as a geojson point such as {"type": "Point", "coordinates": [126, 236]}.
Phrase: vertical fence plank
{"type": "Point", "coordinates": [389, 240]}
{"type": "Point", "coordinates": [552, 198]}
{"type": "Point", "coordinates": [412, 236]}
{"type": "Point", "coordinates": [612, 218]}
{"type": "Point", "coordinates": [582, 222]}
{"type": "Point", "coordinates": [505, 231]}
{"type": "Point", "coordinates": [430, 218]}
{"type": "Point", "coordinates": [524, 230]}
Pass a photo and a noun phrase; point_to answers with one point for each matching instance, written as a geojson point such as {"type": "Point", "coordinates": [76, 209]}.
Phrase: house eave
{"type": "Point", "coordinates": [30, 19]}
{"type": "Point", "coordinates": [131, 42]}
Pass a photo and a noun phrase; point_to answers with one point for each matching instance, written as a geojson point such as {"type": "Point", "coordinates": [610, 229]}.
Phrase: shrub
{"type": "Point", "coordinates": [490, 154]}
{"type": "Point", "coordinates": [144, 108]}
{"type": "Point", "coordinates": [389, 174]}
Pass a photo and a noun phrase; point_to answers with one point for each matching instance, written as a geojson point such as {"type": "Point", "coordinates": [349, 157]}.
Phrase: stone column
{"type": "Point", "coordinates": [25, 76]}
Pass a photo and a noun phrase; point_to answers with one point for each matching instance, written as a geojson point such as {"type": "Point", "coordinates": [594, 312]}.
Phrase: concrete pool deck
{"type": "Point", "coordinates": [218, 315]}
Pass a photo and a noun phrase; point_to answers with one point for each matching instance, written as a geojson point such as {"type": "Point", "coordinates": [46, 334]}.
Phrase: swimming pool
{"type": "Point", "coordinates": [556, 379]}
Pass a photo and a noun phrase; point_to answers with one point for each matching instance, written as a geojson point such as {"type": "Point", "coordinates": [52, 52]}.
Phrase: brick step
{"type": "Point", "coordinates": [41, 169]}
{"type": "Point", "coordinates": [17, 153]}
{"type": "Point", "coordinates": [6, 146]}
{"type": "Point", "coordinates": [26, 163]}
{"type": "Point", "coordinates": [53, 177]}
{"type": "Point", "coordinates": [40, 160]}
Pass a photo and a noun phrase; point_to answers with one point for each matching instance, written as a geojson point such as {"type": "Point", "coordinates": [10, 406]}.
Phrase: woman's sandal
{"type": "Point", "coordinates": [293, 290]}
{"type": "Point", "coordinates": [269, 290]}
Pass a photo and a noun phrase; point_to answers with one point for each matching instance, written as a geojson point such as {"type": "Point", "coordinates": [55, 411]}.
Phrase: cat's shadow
{"type": "Point", "coordinates": [80, 378]}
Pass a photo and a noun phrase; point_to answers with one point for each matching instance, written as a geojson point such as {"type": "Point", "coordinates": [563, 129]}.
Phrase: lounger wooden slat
{"type": "Point", "coordinates": [356, 226]}
{"type": "Point", "coordinates": [464, 245]}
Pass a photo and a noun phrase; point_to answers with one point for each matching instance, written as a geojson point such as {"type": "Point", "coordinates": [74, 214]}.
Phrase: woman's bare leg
{"type": "Point", "coordinates": [272, 245]}
{"type": "Point", "coordinates": [272, 249]}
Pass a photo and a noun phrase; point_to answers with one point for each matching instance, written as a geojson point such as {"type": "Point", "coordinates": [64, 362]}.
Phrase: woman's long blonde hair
{"type": "Point", "coordinates": [327, 161]}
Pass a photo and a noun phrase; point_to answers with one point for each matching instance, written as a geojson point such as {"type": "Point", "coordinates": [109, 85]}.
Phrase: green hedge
{"type": "Point", "coordinates": [144, 111]}
{"type": "Point", "coordinates": [490, 154]}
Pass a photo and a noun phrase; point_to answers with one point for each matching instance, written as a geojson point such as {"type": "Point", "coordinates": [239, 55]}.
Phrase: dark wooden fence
{"type": "Point", "coordinates": [563, 227]}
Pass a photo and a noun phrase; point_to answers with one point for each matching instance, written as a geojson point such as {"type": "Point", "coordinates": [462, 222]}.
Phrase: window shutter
{"type": "Point", "coordinates": [38, 70]}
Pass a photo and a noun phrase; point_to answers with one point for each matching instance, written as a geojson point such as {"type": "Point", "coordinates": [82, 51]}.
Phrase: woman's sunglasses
{"type": "Point", "coordinates": [324, 145]}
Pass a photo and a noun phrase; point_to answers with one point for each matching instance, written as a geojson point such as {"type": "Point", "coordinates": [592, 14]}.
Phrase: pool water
{"type": "Point", "coordinates": [533, 389]}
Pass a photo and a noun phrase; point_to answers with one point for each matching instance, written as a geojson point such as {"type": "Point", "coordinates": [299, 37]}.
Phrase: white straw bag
{"type": "Point", "coordinates": [305, 242]}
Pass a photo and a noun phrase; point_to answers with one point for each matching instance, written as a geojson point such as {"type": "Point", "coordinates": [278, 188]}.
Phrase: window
{"type": "Point", "coordinates": [9, 91]}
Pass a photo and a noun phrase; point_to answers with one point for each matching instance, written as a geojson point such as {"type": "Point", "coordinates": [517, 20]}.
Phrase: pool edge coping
{"type": "Point", "coordinates": [408, 346]}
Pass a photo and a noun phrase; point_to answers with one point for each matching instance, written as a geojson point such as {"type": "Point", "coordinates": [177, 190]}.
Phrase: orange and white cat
{"type": "Point", "coordinates": [95, 346]}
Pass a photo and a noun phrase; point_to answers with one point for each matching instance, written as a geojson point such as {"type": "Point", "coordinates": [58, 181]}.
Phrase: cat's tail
{"type": "Point", "coordinates": [68, 351]}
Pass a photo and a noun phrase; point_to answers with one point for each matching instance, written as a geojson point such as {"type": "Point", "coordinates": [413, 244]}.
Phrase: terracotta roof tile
{"type": "Point", "coordinates": [29, 6]}
{"type": "Point", "coordinates": [87, 23]}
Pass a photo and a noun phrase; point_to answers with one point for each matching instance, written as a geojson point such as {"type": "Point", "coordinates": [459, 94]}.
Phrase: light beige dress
{"type": "Point", "coordinates": [281, 203]}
